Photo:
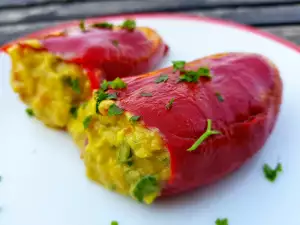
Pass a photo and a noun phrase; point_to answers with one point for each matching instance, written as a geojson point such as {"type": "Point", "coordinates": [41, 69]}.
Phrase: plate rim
{"type": "Point", "coordinates": [180, 16]}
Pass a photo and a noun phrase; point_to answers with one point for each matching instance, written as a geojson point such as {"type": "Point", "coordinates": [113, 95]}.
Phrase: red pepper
{"type": "Point", "coordinates": [251, 89]}
{"type": "Point", "coordinates": [106, 53]}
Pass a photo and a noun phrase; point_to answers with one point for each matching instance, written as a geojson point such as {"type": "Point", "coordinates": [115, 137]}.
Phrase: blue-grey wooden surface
{"type": "Point", "coordinates": [18, 17]}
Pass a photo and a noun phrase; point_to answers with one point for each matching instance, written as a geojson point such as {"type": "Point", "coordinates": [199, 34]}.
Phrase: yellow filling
{"type": "Point", "coordinates": [121, 154]}
{"type": "Point", "coordinates": [47, 84]}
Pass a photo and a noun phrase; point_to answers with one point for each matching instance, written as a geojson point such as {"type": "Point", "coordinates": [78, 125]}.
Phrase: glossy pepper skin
{"type": "Point", "coordinates": [104, 53]}
{"type": "Point", "coordinates": [251, 89]}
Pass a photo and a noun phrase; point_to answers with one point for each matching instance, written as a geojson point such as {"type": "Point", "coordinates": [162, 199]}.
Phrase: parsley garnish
{"type": "Point", "coordinates": [103, 25]}
{"type": "Point", "coordinates": [101, 95]}
{"type": "Point", "coordinates": [82, 25]}
{"type": "Point", "coordinates": [114, 223]}
{"type": "Point", "coordinates": [220, 97]}
{"type": "Point", "coordinates": [204, 136]}
{"type": "Point", "coordinates": [29, 112]}
{"type": "Point", "coordinates": [222, 221]}
{"type": "Point", "coordinates": [114, 110]}
{"type": "Point", "coordinates": [117, 84]}
{"type": "Point", "coordinates": [104, 85]}
{"type": "Point", "coordinates": [87, 121]}
{"type": "Point", "coordinates": [145, 94]}
{"type": "Point", "coordinates": [112, 96]}
{"type": "Point", "coordinates": [73, 83]}
{"type": "Point", "coordinates": [162, 78]}
{"type": "Point", "coordinates": [124, 153]}
{"type": "Point", "coordinates": [115, 43]}
{"type": "Point", "coordinates": [147, 185]}
{"type": "Point", "coordinates": [73, 111]}
{"type": "Point", "coordinates": [129, 25]}
{"type": "Point", "coordinates": [193, 76]}
{"type": "Point", "coordinates": [271, 174]}
{"type": "Point", "coordinates": [170, 104]}
{"type": "Point", "coordinates": [134, 118]}
{"type": "Point", "coordinates": [178, 65]}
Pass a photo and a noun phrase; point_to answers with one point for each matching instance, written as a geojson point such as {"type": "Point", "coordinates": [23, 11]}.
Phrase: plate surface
{"type": "Point", "coordinates": [43, 178]}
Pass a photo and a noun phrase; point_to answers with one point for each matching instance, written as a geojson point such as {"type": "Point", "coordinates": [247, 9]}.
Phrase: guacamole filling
{"type": "Point", "coordinates": [51, 87]}
{"type": "Point", "coordinates": [119, 151]}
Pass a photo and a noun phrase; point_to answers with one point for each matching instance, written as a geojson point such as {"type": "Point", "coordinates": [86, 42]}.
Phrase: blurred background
{"type": "Point", "coordinates": [18, 17]}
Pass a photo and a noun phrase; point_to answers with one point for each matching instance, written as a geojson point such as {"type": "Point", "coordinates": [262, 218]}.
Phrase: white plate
{"type": "Point", "coordinates": [43, 178]}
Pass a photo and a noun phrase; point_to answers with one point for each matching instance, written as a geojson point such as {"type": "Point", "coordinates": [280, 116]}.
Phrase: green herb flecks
{"type": "Point", "coordinates": [87, 121]}
{"type": "Point", "coordinates": [115, 43]}
{"type": "Point", "coordinates": [170, 104]}
{"type": "Point", "coordinates": [114, 110]}
{"type": "Point", "coordinates": [222, 221]}
{"type": "Point", "coordinates": [29, 112]}
{"type": "Point", "coordinates": [117, 83]}
{"type": "Point", "coordinates": [271, 174]}
{"type": "Point", "coordinates": [104, 25]}
{"type": "Point", "coordinates": [204, 136]}
{"type": "Point", "coordinates": [114, 223]}
{"type": "Point", "coordinates": [99, 97]}
{"type": "Point", "coordinates": [74, 111]}
{"type": "Point", "coordinates": [193, 76]}
{"type": "Point", "coordinates": [124, 153]}
{"type": "Point", "coordinates": [219, 96]}
{"type": "Point", "coordinates": [73, 83]}
{"type": "Point", "coordinates": [112, 96]}
{"type": "Point", "coordinates": [104, 85]}
{"type": "Point", "coordinates": [146, 94]}
{"type": "Point", "coordinates": [129, 25]}
{"type": "Point", "coordinates": [178, 65]}
{"type": "Point", "coordinates": [133, 119]}
{"type": "Point", "coordinates": [162, 78]}
{"type": "Point", "coordinates": [144, 187]}
{"type": "Point", "coordinates": [82, 25]}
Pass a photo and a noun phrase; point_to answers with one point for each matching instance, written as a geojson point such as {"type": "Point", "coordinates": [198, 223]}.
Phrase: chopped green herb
{"type": "Point", "coordinates": [114, 110]}
{"type": "Point", "coordinates": [112, 96]}
{"type": "Point", "coordinates": [73, 83]}
{"type": "Point", "coordinates": [130, 163]}
{"type": "Point", "coordinates": [145, 94]}
{"type": "Point", "coordinates": [103, 25]}
{"type": "Point", "coordinates": [147, 185]}
{"type": "Point", "coordinates": [104, 85]}
{"type": "Point", "coordinates": [178, 65]}
{"type": "Point", "coordinates": [222, 221]}
{"type": "Point", "coordinates": [117, 84]}
{"type": "Point", "coordinates": [113, 187]}
{"type": "Point", "coordinates": [162, 78]}
{"type": "Point", "coordinates": [193, 76]}
{"type": "Point", "coordinates": [170, 104]}
{"type": "Point", "coordinates": [82, 25]}
{"type": "Point", "coordinates": [115, 43]}
{"type": "Point", "coordinates": [29, 112]}
{"type": "Point", "coordinates": [271, 174]}
{"type": "Point", "coordinates": [73, 111]}
{"type": "Point", "coordinates": [204, 136]}
{"type": "Point", "coordinates": [114, 223]}
{"type": "Point", "coordinates": [87, 121]}
{"type": "Point", "coordinates": [124, 153]}
{"type": "Point", "coordinates": [134, 118]}
{"type": "Point", "coordinates": [129, 25]}
{"type": "Point", "coordinates": [220, 97]}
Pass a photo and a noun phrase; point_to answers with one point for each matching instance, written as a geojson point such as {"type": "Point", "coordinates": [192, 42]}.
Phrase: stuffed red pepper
{"type": "Point", "coordinates": [54, 72]}
{"type": "Point", "coordinates": [178, 128]}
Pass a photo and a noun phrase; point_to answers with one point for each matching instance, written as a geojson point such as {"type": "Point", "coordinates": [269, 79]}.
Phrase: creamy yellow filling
{"type": "Point", "coordinates": [47, 84]}
{"type": "Point", "coordinates": [121, 154]}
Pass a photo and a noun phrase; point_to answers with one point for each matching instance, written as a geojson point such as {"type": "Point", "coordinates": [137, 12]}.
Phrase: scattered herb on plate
{"type": "Point", "coordinates": [147, 185]}
{"type": "Point", "coordinates": [114, 223]}
{"type": "Point", "coordinates": [193, 76]}
{"type": "Point", "coordinates": [29, 112]}
{"type": "Point", "coordinates": [114, 110]}
{"type": "Point", "coordinates": [133, 119]}
{"type": "Point", "coordinates": [129, 24]}
{"type": "Point", "coordinates": [103, 25]}
{"type": "Point", "coordinates": [146, 94]}
{"type": "Point", "coordinates": [219, 96]}
{"type": "Point", "coordinates": [222, 221]}
{"type": "Point", "coordinates": [82, 25]}
{"type": "Point", "coordinates": [73, 111]}
{"type": "Point", "coordinates": [87, 121]}
{"type": "Point", "coordinates": [271, 174]}
{"type": "Point", "coordinates": [178, 65]}
{"type": "Point", "coordinates": [117, 83]}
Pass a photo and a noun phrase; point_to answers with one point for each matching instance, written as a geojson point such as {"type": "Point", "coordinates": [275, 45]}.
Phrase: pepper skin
{"type": "Point", "coordinates": [103, 53]}
{"type": "Point", "coordinates": [251, 88]}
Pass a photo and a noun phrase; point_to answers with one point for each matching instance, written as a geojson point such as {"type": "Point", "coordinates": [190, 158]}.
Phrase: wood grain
{"type": "Point", "coordinates": [267, 15]}
{"type": "Point", "coordinates": [8, 33]}
{"type": "Point", "coordinates": [200, 3]}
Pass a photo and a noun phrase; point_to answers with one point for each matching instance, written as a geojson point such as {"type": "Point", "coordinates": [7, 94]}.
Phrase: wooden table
{"type": "Point", "coordinates": [18, 17]}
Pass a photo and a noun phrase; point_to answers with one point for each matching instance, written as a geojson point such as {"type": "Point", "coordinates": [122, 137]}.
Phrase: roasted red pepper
{"type": "Point", "coordinates": [241, 99]}
{"type": "Point", "coordinates": [105, 53]}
